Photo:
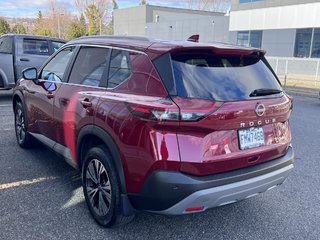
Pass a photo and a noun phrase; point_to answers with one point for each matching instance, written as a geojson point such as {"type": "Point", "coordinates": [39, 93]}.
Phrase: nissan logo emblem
{"type": "Point", "coordinates": [260, 109]}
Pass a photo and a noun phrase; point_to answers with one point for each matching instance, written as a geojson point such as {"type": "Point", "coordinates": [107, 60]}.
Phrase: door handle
{"type": "Point", "coordinates": [24, 60]}
{"type": "Point", "coordinates": [86, 103]}
{"type": "Point", "coordinates": [50, 95]}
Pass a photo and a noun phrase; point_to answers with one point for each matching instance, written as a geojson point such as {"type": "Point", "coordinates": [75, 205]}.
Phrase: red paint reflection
{"type": "Point", "coordinates": [69, 126]}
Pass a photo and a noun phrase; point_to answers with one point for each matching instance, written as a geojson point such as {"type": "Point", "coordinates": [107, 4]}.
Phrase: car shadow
{"type": "Point", "coordinates": [59, 204]}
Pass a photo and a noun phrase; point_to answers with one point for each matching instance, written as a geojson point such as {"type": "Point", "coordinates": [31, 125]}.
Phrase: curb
{"type": "Point", "coordinates": [302, 91]}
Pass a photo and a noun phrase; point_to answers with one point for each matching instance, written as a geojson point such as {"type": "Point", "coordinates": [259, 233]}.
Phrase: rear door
{"type": "Point", "coordinates": [76, 100]}
{"type": "Point", "coordinates": [31, 52]}
{"type": "Point", "coordinates": [6, 61]}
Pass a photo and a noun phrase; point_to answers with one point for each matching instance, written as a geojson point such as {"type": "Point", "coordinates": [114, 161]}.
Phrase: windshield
{"type": "Point", "coordinates": [221, 78]}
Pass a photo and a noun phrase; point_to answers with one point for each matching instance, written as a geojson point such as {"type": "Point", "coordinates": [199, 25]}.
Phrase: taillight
{"type": "Point", "coordinates": [181, 110]}
{"type": "Point", "coordinates": [154, 113]}
{"type": "Point", "coordinates": [291, 101]}
{"type": "Point", "coordinates": [195, 109]}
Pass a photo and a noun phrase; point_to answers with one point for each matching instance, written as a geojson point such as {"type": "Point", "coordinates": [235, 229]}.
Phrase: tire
{"type": "Point", "coordinates": [21, 128]}
{"type": "Point", "coordinates": [101, 188]}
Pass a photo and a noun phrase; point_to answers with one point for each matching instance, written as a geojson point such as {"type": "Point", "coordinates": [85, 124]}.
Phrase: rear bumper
{"type": "Point", "coordinates": [171, 193]}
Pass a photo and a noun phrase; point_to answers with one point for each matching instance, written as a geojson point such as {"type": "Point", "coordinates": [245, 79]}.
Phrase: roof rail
{"type": "Point", "coordinates": [119, 37]}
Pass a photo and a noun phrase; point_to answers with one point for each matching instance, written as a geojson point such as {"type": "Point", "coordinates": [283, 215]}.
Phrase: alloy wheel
{"type": "Point", "coordinates": [98, 187]}
{"type": "Point", "coordinates": [20, 125]}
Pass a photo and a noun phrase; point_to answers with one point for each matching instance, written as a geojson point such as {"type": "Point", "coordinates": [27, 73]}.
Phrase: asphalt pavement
{"type": "Point", "coordinates": [41, 196]}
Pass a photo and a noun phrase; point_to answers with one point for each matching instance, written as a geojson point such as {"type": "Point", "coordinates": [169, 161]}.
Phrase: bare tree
{"type": "Point", "coordinates": [104, 7]}
{"type": "Point", "coordinates": [55, 22]}
{"type": "Point", "coordinates": [210, 5]}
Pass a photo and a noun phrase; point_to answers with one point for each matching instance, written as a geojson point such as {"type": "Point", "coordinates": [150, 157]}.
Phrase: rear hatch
{"type": "Point", "coordinates": [233, 112]}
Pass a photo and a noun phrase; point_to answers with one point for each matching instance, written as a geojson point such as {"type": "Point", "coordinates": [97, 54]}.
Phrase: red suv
{"type": "Point", "coordinates": [165, 127]}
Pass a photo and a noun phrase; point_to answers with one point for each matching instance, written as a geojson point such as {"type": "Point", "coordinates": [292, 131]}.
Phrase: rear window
{"type": "Point", "coordinates": [56, 45]}
{"type": "Point", "coordinates": [220, 78]}
{"type": "Point", "coordinates": [6, 44]}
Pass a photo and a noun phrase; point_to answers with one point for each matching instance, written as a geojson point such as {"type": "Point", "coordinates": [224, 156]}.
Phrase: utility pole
{"type": "Point", "coordinates": [59, 27]}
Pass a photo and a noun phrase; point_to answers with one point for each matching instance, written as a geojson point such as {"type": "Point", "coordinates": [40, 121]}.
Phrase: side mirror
{"type": "Point", "coordinates": [30, 74]}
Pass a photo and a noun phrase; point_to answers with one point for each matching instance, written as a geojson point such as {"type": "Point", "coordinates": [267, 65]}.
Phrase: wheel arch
{"type": "Point", "coordinates": [3, 79]}
{"type": "Point", "coordinates": [90, 136]}
{"type": "Point", "coordinates": [17, 97]}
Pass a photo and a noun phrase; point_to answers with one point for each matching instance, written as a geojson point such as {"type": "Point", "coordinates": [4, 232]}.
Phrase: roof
{"type": "Point", "coordinates": [35, 36]}
{"type": "Point", "coordinates": [150, 7]}
{"type": "Point", "coordinates": [159, 47]}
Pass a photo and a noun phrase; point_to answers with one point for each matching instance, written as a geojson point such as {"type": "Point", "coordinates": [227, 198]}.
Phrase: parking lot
{"type": "Point", "coordinates": [41, 196]}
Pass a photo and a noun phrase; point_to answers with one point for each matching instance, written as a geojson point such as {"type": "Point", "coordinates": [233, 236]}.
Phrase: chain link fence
{"type": "Point", "coordinates": [297, 72]}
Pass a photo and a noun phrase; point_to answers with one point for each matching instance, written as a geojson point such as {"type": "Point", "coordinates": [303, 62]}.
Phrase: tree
{"type": "Point", "coordinates": [45, 32]}
{"type": "Point", "coordinates": [56, 21]}
{"type": "Point", "coordinates": [77, 28]}
{"type": "Point", "coordinates": [83, 25]}
{"type": "Point", "coordinates": [19, 28]}
{"type": "Point", "coordinates": [115, 5]}
{"type": "Point", "coordinates": [94, 19]}
{"type": "Point", "coordinates": [4, 26]}
{"type": "Point", "coordinates": [42, 28]}
{"type": "Point", "coordinates": [143, 2]}
{"type": "Point", "coordinates": [98, 13]}
{"type": "Point", "coordinates": [39, 17]}
{"type": "Point", "coordinates": [210, 5]}
{"type": "Point", "coordinates": [75, 31]}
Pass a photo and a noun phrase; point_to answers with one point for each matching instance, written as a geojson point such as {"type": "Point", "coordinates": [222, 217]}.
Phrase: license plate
{"type": "Point", "coordinates": [251, 137]}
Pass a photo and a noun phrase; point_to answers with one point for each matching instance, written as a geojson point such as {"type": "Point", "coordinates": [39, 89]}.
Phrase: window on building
{"type": "Point", "coordinates": [315, 53]}
{"type": "Point", "coordinates": [255, 39]}
{"type": "Point", "coordinates": [250, 38]}
{"type": "Point", "coordinates": [243, 38]}
{"type": "Point", "coordinates": [303, 42]}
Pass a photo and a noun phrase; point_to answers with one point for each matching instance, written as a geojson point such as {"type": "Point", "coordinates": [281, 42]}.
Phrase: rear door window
{"type": "Point", "coordinates": [90, 67]}
{"type": "Point", "coordinates": [221, 78]}
{"type": "Point", "coordinates": [35, 46]}
{"type": "Point", "coordinates": [120, 68]}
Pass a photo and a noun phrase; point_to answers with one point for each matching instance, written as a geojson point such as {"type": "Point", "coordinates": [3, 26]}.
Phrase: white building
{"type": "Point", "coordinates": [285, 28]}
{"type": "Point", "coordinates": [171, 23]}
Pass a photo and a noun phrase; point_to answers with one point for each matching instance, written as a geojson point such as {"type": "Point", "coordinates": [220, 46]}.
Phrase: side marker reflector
{"type": "Point", "coordinates": [195, 209]}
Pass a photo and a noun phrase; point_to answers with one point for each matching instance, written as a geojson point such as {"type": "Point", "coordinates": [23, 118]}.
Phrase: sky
{"type": "Point", "coordinates": [30, 8]}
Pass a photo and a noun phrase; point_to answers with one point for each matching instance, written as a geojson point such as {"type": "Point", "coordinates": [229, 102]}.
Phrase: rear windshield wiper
{"type": "Point", "coordinates": [264, 92]}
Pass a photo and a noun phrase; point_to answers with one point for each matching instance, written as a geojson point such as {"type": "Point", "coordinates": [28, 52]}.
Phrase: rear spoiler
{"type": "Point", "coordinates": [222, 50]}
